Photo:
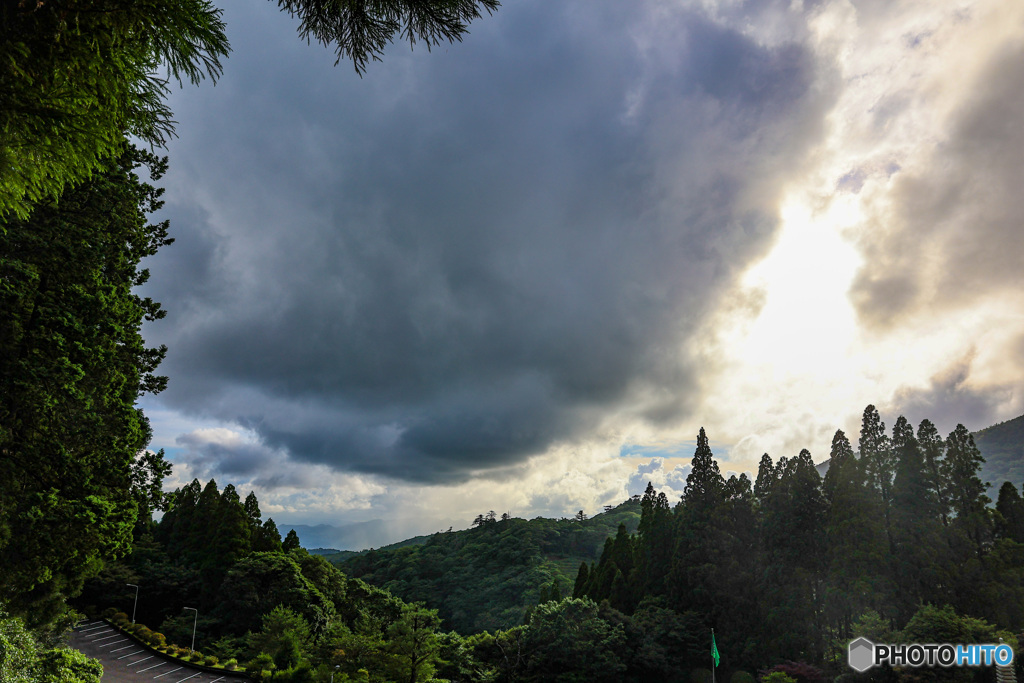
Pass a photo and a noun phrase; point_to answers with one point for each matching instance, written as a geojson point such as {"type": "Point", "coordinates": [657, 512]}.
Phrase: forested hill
{"type": "Point", "coordinates": [1002, 446]}
{"type": "Point", "coordinates": [485, 578]}
{"type": "Point", "coordinates": [337, 556]}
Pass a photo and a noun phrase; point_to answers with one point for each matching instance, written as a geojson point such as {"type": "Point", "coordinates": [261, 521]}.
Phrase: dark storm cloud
{"type": "Point", "coordinates": [958, 231]}
{"type": "Point", "coordinates": [949, 400]}
{"type": "Point", "coordinates": [208, 457]}
{"type": "Point", "coordinates": [469, 255]}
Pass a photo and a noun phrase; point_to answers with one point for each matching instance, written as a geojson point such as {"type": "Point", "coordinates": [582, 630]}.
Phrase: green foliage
{"type": "Point", "coordinates": [793, 568]}
{"type": "Point", "coordinates": [261, 582]}
{"type": "Point", "coordinates": [1002, 445]}
{"type": "Point", "coordinates": [413, 643]}
{"type": "Point", "coordinates": [23, 659]}
{"type": "Point", "coordinates": [360, 31]}
{"type": "Point", "coordinates": [787, 569]}
{"type": "Point", "coordinates": [777, 677]}
{"type": "Point", "coordinates": [701, 675]}
{"type": "Point", "coordinates": [291, 541]}
{"type": "Point", "coordinates": [284, 636]}
{"type": "Point", "coordinates": [1010, 506]}
{"type": "Point", "coordinates": [485, 577]}
{"type": "Point", "coordinates": [72, 364]}
{"type": "Point", "coordinates": [933, 624]}
{"type": "Point", "coordinates": [268, 539]}
{"type": "Point", "coordinates": [704, 483]}
{"type": "Point", "coordinates": [19, 651]}
{"type": "Point", "coordinates": [76, 76]}
{"type": "Point", "coordinates": [260, 665]}
{"type": "Point", "coordinates": [568, 641]}
{"type": "Point", "coordinates": [64, 665]}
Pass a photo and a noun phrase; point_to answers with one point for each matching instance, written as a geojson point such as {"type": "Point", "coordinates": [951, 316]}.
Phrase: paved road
{"type": "Point", "coordinates": [125, 661]}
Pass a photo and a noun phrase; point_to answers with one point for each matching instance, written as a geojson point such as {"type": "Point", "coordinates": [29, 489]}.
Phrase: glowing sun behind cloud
{"type": "Point", "coordinates": [848, 307]}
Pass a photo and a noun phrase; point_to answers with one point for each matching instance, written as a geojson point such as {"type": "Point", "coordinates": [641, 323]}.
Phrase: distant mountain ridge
{"type": "Point", "coordinates": [350, 536]}
{"type": "Point", "coordinates": [1002, 446]}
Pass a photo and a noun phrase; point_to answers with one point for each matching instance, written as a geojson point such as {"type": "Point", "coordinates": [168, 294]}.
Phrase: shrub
{"type": "Point", "coordinates": [108, 613]}
{"type": "Point", "coordinates": [157, 639]}
{"type": "Point", "coordinates": [197, 656]}
{"type": "Point", "coordinates": [119, 618]}
{"type": "Point", "coordinates": [801, 672]}
{"type": "Point", "coordinates": [231, 664]}
{"type": "Point", "coordinates": [741, 677]}
{"type": "Point", "coordinates": [143, 633]}
{"type": "Point", "coordinates": [262, 662]}
{"type": "Point", "coordinates": [777, 677]}
{"type": "Point", "coordinates": [210, 660]}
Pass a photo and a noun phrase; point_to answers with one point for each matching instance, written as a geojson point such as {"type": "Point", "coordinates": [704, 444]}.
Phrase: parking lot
{"type": "Point", "coordinates": [125, 661]}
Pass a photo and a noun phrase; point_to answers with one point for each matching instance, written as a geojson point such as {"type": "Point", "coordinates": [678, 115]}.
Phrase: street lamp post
{"type": "Point", "coordinates": [336, 667]}
{"type": "Point", "coordinates": [136, 599]}
{"type": "Point", "coordinates": [194, 622]}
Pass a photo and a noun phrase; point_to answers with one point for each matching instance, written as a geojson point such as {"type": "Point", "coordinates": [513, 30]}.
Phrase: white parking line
{"type": "Point", "coordinates": [130, 654]}
{"type": "Point", "coordinates": [138, 661]}
{"type": "Point", "coordinates": [155, 666]}
{"type": "Point", "coordinates": [188, 677]}
{"type": "Point", "coordinates": [217, 679]}
{"type": "Point", "coordinates": [169, 672]}
{"type": "Point", "coordinates": [122, 648]}
{"type": "Point", "coordinates": [94, 628]}
{"type": "Point", "coordinates": [92, 636]}
{"type": "Point", "coordinates": [117, 642]}
{"type": "Point", "coordinates": [100, 640]}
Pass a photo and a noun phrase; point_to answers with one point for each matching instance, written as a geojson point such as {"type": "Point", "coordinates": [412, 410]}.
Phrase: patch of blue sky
{"type": "Point", "coordinates": [674, 451]}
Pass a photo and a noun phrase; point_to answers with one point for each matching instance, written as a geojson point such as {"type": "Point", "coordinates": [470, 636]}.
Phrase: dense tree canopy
{"type": "Point", "coordinates": [789, 569]}
{"type": "Point", "coordinates": [76, 76]}
{"type": "Point", "coordinates": [72, 364]}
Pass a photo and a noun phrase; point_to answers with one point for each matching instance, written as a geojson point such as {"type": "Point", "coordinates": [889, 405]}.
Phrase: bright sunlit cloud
{"type": "Point", "coordinates": [522, 279]}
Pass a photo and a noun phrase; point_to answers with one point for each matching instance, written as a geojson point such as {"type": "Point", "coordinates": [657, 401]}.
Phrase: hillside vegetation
{"type": "Point", "coordinates": [486, 578]}
{"type": "Point", "coordinates": [1002, 446]}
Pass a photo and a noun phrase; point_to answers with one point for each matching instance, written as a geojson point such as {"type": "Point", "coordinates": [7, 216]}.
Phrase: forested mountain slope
{"type": "Point", "coordinates": [486, 577]}
{"type": "Point", "coordinates": [1002, 446]}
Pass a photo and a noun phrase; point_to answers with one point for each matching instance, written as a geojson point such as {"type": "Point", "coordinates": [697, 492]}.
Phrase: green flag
{"type": "Point", "coordinates": [714, 649]}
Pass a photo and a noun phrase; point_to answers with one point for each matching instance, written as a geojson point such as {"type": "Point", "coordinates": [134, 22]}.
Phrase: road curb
{"type": "Point", "coordinates": [184, 662]}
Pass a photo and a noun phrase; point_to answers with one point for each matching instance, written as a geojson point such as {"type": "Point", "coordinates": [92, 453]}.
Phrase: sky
{"type": "Point", "coordinates": [520, 272]}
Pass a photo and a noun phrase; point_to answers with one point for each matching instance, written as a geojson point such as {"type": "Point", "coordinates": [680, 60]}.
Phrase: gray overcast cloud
{"type": "Point", "coordinates": [526, 269]}
{"type": "Point", "coordinates": [472, 254]}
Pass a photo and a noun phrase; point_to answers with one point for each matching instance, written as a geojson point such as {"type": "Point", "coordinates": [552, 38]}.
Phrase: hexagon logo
{"type": "Point", "coordinates": [862, 655]}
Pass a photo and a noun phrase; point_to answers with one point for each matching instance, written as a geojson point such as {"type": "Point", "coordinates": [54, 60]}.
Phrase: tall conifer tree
{"type": "Point", "coordinates": [932, 450]}
{"type": "Point", "coordinates": [841, 452]}
{"type": "Point", "coordinates": [918, 562]}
